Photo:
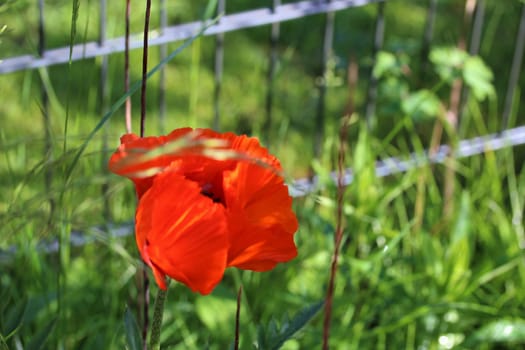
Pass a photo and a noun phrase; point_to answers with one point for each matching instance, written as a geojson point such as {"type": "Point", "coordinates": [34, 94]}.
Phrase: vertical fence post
{"type": "Point", "coordinates": [103, 90]}
{"type": "Point", "coordinates": [48, 141]}
{"type": "Point", "coordinates": [514, 71]}
{"type": "Point", "coordinates": [163, 52]}
{"type": "Point", "coordinates": [104, 62]}
{"type": "Point", "coordinates": [474, 45]}
{"type": "Point", "coordinates": [274, 38]}
{"type": "Point", "coordinates": [219, 58]}
{"type": "Point", "coordinates": [127, 106]}
{"type": "Point", "coordinates": [325, 57]}
{"type": "Point", "coordinates": [371, 97]}
{"type": "Point", "coordinates": [41, 29]}
{"type": "Point", "coordinates": [427, 39]}
{"type": "Point", "coordinates": [475, 38]}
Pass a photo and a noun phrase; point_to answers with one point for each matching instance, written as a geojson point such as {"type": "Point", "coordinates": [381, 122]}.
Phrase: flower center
{"type": "Point", "coordinates": [207, 190]}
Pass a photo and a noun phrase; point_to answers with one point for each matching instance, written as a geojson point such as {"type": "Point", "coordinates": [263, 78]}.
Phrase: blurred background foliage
{"type": "Point", "coordinates": [420, 268]}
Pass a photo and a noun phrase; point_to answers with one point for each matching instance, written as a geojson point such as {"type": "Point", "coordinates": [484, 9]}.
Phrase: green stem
{"type": "Point", "coordinates": [154, 341]}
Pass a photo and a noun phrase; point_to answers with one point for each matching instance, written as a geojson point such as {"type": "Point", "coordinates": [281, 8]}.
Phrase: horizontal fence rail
{"type": "Point", "coordinates": [227, 23]}
{"type": "Point", "coordinates": [394, 165]}
{"type": "Point", "coordinates": [303, 187]}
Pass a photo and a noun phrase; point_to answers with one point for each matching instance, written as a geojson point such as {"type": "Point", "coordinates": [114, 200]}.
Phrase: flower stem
{"type": "Point", "coordinates": [142, 123]}
{"type": "Point", "coordinates": [145, 307]}
{"type": "Point", "coordinates": [154, 341]}
{"type": "Point", "coordinates": [237, 319]}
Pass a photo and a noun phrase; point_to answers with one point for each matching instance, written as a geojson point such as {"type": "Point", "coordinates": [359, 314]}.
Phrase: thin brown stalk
{"type": "Point", "coordinates": [237, 319]}
{"type": "Point", "coordinates": [338, 238]}
{"type": "Point", "coordinates": [126, 69]}
{"type": "Point", "coordinates": [144, 69]}
{"type": "Point", "coordinates": [142, 126]}
{"type": "Point", "coordinates": [338, 233]}
{"type": "Point", "coordinates": [352, 77]}
{"type": "Point", "coordinates": [453, 118]}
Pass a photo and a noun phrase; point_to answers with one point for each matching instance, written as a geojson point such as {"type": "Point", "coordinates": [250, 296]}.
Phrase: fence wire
{"type": "Point", "coordinates": [169, 34]}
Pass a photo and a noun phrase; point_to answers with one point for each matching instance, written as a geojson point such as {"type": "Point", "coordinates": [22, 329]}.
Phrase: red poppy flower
{"type": "Point", "coordinates": [207, 201]}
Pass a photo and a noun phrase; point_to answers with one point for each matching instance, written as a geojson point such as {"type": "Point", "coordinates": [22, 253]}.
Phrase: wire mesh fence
{"type": "Point", "coordinates": [272, 15]}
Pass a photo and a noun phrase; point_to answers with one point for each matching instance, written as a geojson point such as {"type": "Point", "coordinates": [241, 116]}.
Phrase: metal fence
{"type": "Point", "coordinates": [272, 13]}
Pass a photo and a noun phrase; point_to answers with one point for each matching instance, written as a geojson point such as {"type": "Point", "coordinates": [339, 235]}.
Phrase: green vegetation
{"type": "Point", "coordinates": [421, 268]}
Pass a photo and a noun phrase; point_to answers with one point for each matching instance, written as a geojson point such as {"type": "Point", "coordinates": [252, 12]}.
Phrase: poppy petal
{"type": "Point", "coordinates": [251, 147]}
{"type": "Point", "coordinates": [190, 152]}
{"type": "Point", "coordinates": [182, 233]}
{"type": "Point", "coordinates": [129, 159]}
{"type": "Point", "coordinates": [260, 218]}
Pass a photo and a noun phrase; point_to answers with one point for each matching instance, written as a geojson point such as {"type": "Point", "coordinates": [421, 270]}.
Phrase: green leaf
{"type": "Point", "coordinates": [364, 187]}
{"type": "Point", "coordinates": [385, 63]}
{"type": "Point", "coordinates": [3, 344]}
{"type": "Point", "coordinates": [500, 331]}
{"type": "Point", "coordinates": [133, 336]}
{"type": "Point", "coordinates": [431, 255]}
{"type": "Point", "coordinates": [289, 328]}
{"type": "Point", "coordinates": [14, 319]}
{"type": "Point", "coordinates": [313, 266]}
{"type": "Point", "coordinates": [273, 329]}
{"type": "Point", "coordinates": [459, 252]}
{"type": "Point", "coordinates": [478, 77]}
{"type": "Point", "coordinates": [261, 338]}
{"type": "Point", "coordinates": [217, 311]}
{"type": "Point", "coordinates": [390, 65]}
{"type": "Point", "coordinates": [421, 105]}
{"type": "Point", "coordinates": [41, 336]}
{"type": "Point", "coordinates": [448, 62]}
{"type": "Point", "coordinates": [5, 300]}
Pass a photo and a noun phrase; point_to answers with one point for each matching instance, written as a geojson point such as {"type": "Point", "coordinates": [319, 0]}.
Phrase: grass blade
{"type": "Point", "coordinates": [132, 331]}
{"type": "Point", "coordinates": [40, 338]}
{"type": "Point", "coordinates": [288, 329]}
{"type": "Point", "coordinates": [3, 344]}
{"type": "Point", "coordinates": [14, 319]}
{"type": "Point", "coordinates": [500, 331]}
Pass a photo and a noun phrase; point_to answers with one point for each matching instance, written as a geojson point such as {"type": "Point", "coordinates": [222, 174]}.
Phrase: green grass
{"type": "Point", "coordinates": [410, 277]}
